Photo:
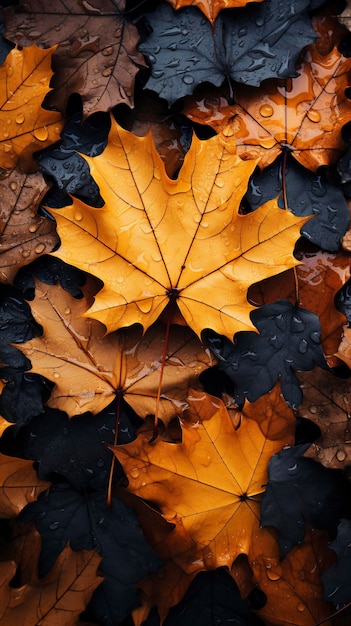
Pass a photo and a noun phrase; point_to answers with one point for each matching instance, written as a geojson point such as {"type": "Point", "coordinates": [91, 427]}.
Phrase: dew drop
{"type": "Point", "coordinates": [20, 118]}
{"type": "Point", "coordinates": [187, 79]}
{"type": "Point", "coordinates": [107, 71]}
{"type": "Point", "coordinates": [156, 257]}
{"type": "Point", "coordinates": [313, 409]}
{"type": "Point", "coordinates": [266, 110]}
{"type": "Point", "coordinates": [300, 607]}
{"type": "Point", "coordinates": [25, 254]}
{"type": "Point", "coordinates": [56, 375]}
{"type": "Point", "coordinates": [107, 51]}
{"type": "Point", "coordinates": [314, 116]}
{"type": "Point", "coordinates": [272, 575]}
{"type": "Point", "coordinates": [41, 133]}
{"type": "Point", "coordinates": [145, 227]}
{"type": "Point", "coordinates": [303, 346]}
{"type": "Point", "coordinates": [33, 228]}
{"type": "Point", "coordinates": [134, 473]}
{"type": "Point", "coordinates": [54, 525]}
{"type": "Point", "coordinates": [100, 462]}
{"type": "Point", "coordinates": [6, 134]}
{"type": "Point", "coordinates": [120, 279]}
{"type": "Point", "coordinates": [7, 147]}
{"type": "Point", "coordinates": [78, 216]}
{"type": "Point", "coordinates": [157, 73]}
{"type": "Point", "coordinates": [341, 455]}
{"type": "Point", "coordinates": [259, 21]}
{"type": "Point", "coordinates": [67, 310]}
{"type": "Point", "coordinates": [10, 70]}
{"type": "Point", "coordinates": [13, 186]}
{"type": "Point", "coordinates": [40, 248]}
{"type": "Point", "coordinates": [219, 183]}
{"type": "Point", "coordinates": [145, 306]}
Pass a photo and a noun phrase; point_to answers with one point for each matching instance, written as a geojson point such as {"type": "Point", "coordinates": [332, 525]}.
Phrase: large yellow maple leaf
{"type": "Point", "coordinates": [158, 240]}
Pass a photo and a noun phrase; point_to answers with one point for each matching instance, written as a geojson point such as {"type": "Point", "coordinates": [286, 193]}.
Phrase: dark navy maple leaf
{"type": "Point", "coordinates": [336, 579]}
{"type": "Point", "coordinates": [247, 45]}
{"type": "Point", "coordinates": [289, 340]}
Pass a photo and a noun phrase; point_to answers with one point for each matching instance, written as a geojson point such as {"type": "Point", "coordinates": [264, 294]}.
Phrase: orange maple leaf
{"type": "Point", "coordinates": [147, 242]}
{"type": "Point", "coordinates": [89, 369]}
{"type": "Point", "coordinates": [24, 125]}
{"type": "Point", "coordinates": [211, 482]}
{"type": "Point", "coordinates": [210, 8]}
{"type": "Point", "coordinates": [303, 115]}
{"type": "Point", "coordinates": [19, 485]}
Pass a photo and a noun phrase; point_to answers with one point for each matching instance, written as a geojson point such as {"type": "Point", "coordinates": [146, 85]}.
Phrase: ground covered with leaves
{"type": "Point", "coordinates": [175, 311]}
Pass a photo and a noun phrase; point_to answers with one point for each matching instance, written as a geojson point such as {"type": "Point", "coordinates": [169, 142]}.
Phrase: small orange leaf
{"type": "Point", "coordinates": [24, 235]}
{"type": "Point", "coordinates": [147, 242]}
{"type": "Point", "coordinates": [19, 485]}
{"type": "Point", "coordinates": [24, 125]}
{"type": "Point", "coordinates": [210, 8]}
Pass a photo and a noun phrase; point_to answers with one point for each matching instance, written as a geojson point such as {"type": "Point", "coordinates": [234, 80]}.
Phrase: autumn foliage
{"type": "Point", "coordinates": [175, 348]}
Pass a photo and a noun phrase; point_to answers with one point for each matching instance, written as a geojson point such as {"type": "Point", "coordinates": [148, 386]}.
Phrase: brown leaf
{"type": "Point", "coordinates": [319, 277]}
{"type": "Point", "coordinates": [96, 55]}
{"type": "Point", "coordinates": [24, 235]}
{"type": "Point", "coordinates": [90, 368]}
{"type": "Point", "coordinates": [210, 8]}
{"type": "Point", "coordinates": [147, 242]}
{"type": "Point", "coordinates": [293, 586]}
{"type": "Point", "coordinates": [19, 485]}
{"type": "Point", "coordinates": [304, 114]}
{"type": "Point", "coordinates": [24, 125]}
{"type": "Point", "coordinates": [59, 597]}
{"type": "Point", "coordinates": [211, 482]}
{"type": "Point", "coordinates": [327, 403]}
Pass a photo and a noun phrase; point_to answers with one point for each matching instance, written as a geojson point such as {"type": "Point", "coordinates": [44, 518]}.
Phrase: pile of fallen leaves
{"type": "Point", "coordinates": [175, 306]}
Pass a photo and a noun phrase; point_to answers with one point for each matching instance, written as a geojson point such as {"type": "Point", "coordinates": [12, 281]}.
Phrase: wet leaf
{"type": "Point", "coordinates": [89, 369]}
{"type": "Point", "coordinates": [326, 403]}
{"type": "Point", "coordinates": [162, 226]}
{"type": "Point", "coordinates": [75, 449]}
{"type": "Point", "coordinates": [212, 482]}
{"type": "Point", "coordinates": [19, 485]}
{"type": "Point", "coordinates": [305, 193]}
{"type": "Point", "coordinates": [319, 278]}
{"type": "Point", "coordinates": [64, 515]}
{"type": "Point", "coordinates": [247, 45]}
{"type": "Point", "coordinates": [289, 340]}
{"type": "Point", "coordinates": [210, 8]}
{"type": "Point", "coordinates": [303, 115]}
{"type": "Point", "coordinates": [293, 585]}
{"type": "Point", "coordinates": [96, 54]}
{"type": "Point", "coordinates": [59, 597]}
{"type": "Point", "coordinates": [24, 235]}
{"type": "Point", "coordinates": [336, 580]}
{"type": "Point", "coordinates": [25, 125]}
{"type": "Point", "coordinates": [301, 491]}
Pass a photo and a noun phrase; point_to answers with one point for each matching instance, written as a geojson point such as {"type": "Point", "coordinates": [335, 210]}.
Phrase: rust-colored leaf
{"type": "Point", "coordinates": [293, 585]}
{"type": "Point", "coordinates": [327, 403]}
{"type": "Point", "coordinates": [24, 235]}
{"type": "Point", "coordinates": [24, 125]}
{"type": "Point", "coordinates": [211, 482]}
{"type": "Point", "coordinates": [89, 368]}
{"type": "Point", "coordinates": [319, 277]}
{"type": "Point", "coordinates": [146, 244]}
{"type": "Point", "coordinates": [96, 54]}
{"type": "Point", "coordinates": [210, 8]}
{"type": "Point", "coordinates": [304, 114]}
{"type": "Point", "coordinates": [59, 597]}
{"type": "Point", "coordinates": [19, 485]}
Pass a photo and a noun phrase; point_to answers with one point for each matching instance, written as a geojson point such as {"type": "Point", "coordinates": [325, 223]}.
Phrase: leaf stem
{"type": "Point", "coordinates": [113, 460]}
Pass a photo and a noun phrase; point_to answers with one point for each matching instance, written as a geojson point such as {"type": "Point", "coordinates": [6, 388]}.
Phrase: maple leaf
{"type": "Point", "coordinates": [303, 193]}
{"type": "Point", "coordinates": [96, 52]}
{"type": "Point", "coordinates": [210, 8]}
{"type": "Point", "coordinates": [57, 598]}
{"type": "Point", "coordinates": [25, 125]}
{"type": "Point", "coordinates": [19, 485]}
{"type": "Point", "coordinates": [24, 235]}
{"type": "Point", "coordinates": [319, 276]}
{"type": "Point", "coordinates": [211, 482]}
{"type": "Point", "coordinates": [301, 490]}
{"type": "Point", "coordinates": [326, 403]}
{"type": "Point", "coordinates": [289, 340]}
{"type": "Point", "coordinates": [336, 579]}
{"type": "Point", "coordinates": [304, 114]}
{"type": "Point", "coordinates": [248, 45]}
{"type": "Point", "coordinates": [89, 368]}
{"type": "Point", "coordinates": [146, 243]}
